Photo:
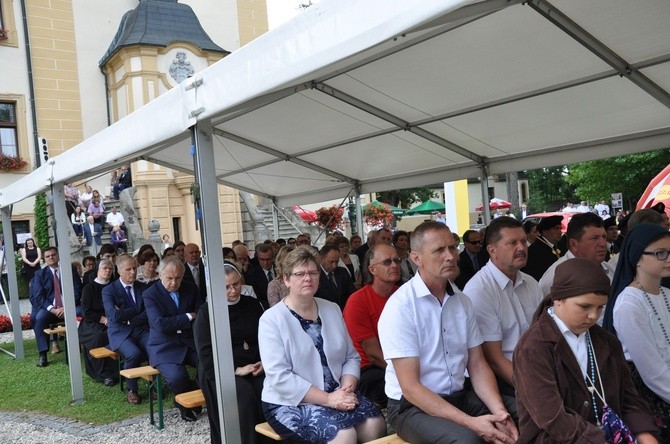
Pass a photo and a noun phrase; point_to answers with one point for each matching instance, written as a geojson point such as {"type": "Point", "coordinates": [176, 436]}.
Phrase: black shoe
{"type": "Point", "coordinates": [187, 415]}
{"type": "Point", "coordinates": [109, 382]}
{"type": "Point", "coordinates": [42, 362]}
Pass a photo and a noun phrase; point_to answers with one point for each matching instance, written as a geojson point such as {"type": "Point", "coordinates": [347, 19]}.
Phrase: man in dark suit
{"type": "Point", "coordinates": [260, 276]}
{"type": "Point", "coordinates": [194, 271]}
{"type": "Point", "coordinates": [544, 252]}
{"type": "Point", "coordinates": [335, 283]}
{"type": "Point", "coordinates": [93, 235]}
{"type": "Point", "coordinates": [468, 260]}
{"type": "Point", "coordinates": [125, 181]}
{"type": "Point", "coordinates": [47, 300]}
{"type": "Point", "coordinates": [172, 305]}
{"type": "Point", "coordinates": [127, 324]}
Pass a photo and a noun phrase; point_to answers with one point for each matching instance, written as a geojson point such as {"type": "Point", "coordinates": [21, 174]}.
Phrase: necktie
{"type": "Point", "coordinates": [196, 275]}
{"type": "Point", "coordinates": [269, 275]}
{"type": "Point", "coordinates": [130, 295]}
{"type": "Point", "coordinates": [331, 278]}
{"type": "Point", "coordinates": [58, 296]}
{"type": "Point", "coordinates": [475, 263]}
{"type": "Point", "coordinates": [175, 298]}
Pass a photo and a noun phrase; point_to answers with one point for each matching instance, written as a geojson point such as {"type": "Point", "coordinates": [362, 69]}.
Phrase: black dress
{"type": "Point", "coordinates": [93, 334]}
{"type": "Point", "coordinates": [28, 271]}
{"type": "Point", "coordinates": [244, 317]}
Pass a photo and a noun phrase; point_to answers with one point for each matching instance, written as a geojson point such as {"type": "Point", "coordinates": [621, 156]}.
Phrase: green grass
{"type": "Point", "coordinates": [26, 387]}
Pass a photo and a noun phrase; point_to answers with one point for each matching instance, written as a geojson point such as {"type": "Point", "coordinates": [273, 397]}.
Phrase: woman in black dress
{"type": "Point", "coordinates": [93, 326]}
{"type": "Point", "coordinates": [244, 313]}
{"type": "Point", "coordinates": [31, 255]}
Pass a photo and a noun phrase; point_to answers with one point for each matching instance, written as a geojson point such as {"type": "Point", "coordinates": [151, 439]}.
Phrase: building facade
{"type": "Point", "coordinates": [74, 67]}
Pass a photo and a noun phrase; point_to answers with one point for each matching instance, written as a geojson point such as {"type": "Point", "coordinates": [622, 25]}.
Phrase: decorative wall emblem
{"type": "Point", "coordinates": [180, 68]}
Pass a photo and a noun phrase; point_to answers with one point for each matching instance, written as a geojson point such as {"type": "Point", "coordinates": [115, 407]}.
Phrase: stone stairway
{"type": "Point", "coordinates": [286, 229]}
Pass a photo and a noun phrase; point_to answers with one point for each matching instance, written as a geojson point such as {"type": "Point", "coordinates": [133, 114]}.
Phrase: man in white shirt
{"type": "Point", "coordinates": [503, 298]}
{"type": "Point", "coordinates": [587, 239]}
{"type": "Point", "coordinates": [115, 218]}
{"type": "Point", "coordinates": [429, 336]}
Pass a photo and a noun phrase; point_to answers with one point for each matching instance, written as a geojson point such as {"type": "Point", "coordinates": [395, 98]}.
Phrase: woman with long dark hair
{"type": "Point", "coordinates": [639, 314]}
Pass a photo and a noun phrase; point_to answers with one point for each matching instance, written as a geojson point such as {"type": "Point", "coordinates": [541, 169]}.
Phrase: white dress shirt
{"type": "Point", "coordinates": [414, 324]}
{"type": "Point", "coordinates": [504, 309]}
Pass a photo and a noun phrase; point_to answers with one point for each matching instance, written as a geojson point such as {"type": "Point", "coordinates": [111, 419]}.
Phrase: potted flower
{"type": "Point", "coordinates": [329, 217]}
{"type": "Point", "coordinates": [9, 163]}
{"type": "Point", "coordinates": [377, 215]}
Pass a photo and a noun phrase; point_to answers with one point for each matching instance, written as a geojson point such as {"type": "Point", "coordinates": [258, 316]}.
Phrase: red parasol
{"type": "Point", "coordinates": [495, 204]}
{"type": "Point", "coordinates": [657, 191]}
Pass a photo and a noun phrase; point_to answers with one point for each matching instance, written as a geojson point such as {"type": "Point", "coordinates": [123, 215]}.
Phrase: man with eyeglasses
{"type": "Point", "coordinates": [468, 261]}
{"type": "Point", "coordinates": [335, 283]}
{"type": "Point", "coordinates": [430, 338]}
{"type": "Point", "coordinates": [503, 298]}
{"type": "Point", "coordinates": [361, 315]}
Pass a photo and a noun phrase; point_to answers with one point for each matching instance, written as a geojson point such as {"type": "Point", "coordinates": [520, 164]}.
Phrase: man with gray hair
{"type": "Point", "coordinates": [127, 324]}
{"type": "Point", "coordinates": [172, 305]}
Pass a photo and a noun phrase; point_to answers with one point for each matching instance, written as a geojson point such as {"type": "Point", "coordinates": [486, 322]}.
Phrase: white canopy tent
{"type": "Point", "coordinates": [368, 96]}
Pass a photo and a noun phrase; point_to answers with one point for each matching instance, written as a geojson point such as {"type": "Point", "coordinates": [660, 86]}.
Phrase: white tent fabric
{"type": "Point", "coordinates": [381, 95]}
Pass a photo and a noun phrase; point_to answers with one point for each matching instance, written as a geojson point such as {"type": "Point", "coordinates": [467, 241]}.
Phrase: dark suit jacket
{"type": "Point", "coordinates": [90, 239]}
{"type": "Point", "coordinates": [122, 317]}
{"type": "Point", "coordinates": [202, 286]}
{"type": "Point", "coordinates": [125, 180]}
{"type": "Point", "coordinates": [258, 278]}
{"type": "Point", "coordinates": [467, 269]}
{"type": "Point", "coordinates": [171, 333]}
{"type": "Point", "coordinates": [540, 258]}
{"type": "Point", "coordinates": [42, 289]}
{"type": "Point", "coordinates": [340, 294]}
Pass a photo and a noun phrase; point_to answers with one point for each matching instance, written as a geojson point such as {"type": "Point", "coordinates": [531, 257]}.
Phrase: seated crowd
{"type": "Point", "coordinates": [503, 342]}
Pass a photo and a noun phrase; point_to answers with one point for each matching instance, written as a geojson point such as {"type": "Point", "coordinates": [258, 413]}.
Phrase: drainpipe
{"type": "Point", "coordinates": [31, 85]}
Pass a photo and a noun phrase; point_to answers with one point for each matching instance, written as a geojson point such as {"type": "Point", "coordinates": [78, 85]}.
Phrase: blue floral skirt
{"type": "Point", "coordinates": [314, 423]}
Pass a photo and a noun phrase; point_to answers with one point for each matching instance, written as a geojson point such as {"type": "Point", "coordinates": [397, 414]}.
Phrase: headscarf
{"type": "Point", "coordinates": [228, 269]}
{"type": "Point", "coordinates": [634, 244]}
{"type": "Point", "coordinates": [575, 277]}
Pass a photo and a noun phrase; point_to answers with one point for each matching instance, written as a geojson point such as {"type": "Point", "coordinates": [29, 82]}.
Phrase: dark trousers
{"type": "Point", "coordinates": [414, 425]}
{"type": "Point", "coordinates": [41, 320]}
{"type": "Point", "coordinates": [134, 352]}
{"type": "Point", "coordinates": [176, 374]}
{"type": "Point", "coordinates": [371, 384]}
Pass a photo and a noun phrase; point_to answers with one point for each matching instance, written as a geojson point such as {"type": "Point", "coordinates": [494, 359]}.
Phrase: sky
{"type": "Point", "coordinates": [281, 10]}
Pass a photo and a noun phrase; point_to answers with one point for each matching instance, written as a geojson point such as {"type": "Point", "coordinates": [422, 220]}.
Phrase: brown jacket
{"type": "Point", "coordinates": [553, 402]}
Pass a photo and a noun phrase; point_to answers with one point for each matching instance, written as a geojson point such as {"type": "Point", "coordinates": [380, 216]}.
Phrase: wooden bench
{"type": "Point", "coordinates": [153, 377]}
{"type": "Point", "coordinates": [58, 330]}
{"type": "Point", "coordinates": [104, 352]}
{"type": "Point", "coordinates": [391, 439]}
{"type": "Point", "coordinates": [265, 430]}
{"type": "Point", "coordinates": [190, 400]}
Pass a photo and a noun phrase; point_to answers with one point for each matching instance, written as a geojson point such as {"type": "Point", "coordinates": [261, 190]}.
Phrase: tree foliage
{"type": "Point", "coordinates": [548, 189]}
{"type": "Point", "coordinates": [630, 175]}
{"type": "Point", "coordinates": [406, 197]}
{"type": "Point", "coordinates": [41, 221]}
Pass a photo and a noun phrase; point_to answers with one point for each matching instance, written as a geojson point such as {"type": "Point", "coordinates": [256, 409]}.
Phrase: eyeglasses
{"type": "Point", "coordinates": [661, 255]}
{"type": "Point", "coordinates": [302, 274]}
{"type": "Point", "coordinates": [474, 242]}
{"type": "Point", "coordinates": [388, 262]}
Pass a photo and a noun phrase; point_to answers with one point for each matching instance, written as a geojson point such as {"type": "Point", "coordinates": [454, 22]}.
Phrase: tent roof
{"type": "Point", "coordinates": [357, 94]}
